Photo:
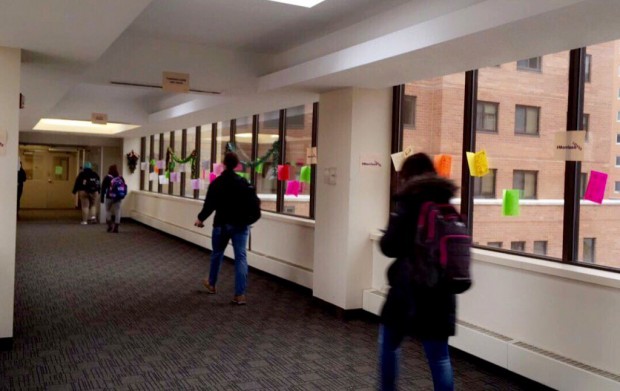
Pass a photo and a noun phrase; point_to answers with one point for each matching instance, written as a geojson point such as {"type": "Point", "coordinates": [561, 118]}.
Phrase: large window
{"type": "Point", "coordinates": [298, 136]}
{"type": "Point", "coordinates": [176, 146]}
{"type": "Point", "coordinates": [243, 142]}
{"type": "Point", "coordinates": [526, 119]}
{"type": "Point", "coordinates": [187, 169]}
{"type": "Point", "coordinates": [486, 118]}
{"type": "Point", "coordinates": [267, 173]}
{"type": "Point", "coordinates": [526, 182]}
{"type": "Point", "coordinates": [204, 161]}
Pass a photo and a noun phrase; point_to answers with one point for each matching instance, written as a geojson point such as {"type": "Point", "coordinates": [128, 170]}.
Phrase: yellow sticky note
{"type": "Point", "coordinates": [478, 163]}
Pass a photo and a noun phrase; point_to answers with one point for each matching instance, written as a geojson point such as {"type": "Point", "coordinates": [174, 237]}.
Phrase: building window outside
{"type": "Point", "coordinates": [409, 106]}
{"type": "Point", "coordinates": [589, 250]}
{"type": "Point", "coordinates": [530, 64]}
{"type": "Point", "coordinates": [495, 244]}
{"type": "Point", "coordinates": [618, 116]}
{"type": "Point", "coordinates": [190, 145]}
{"type": "Point", "coordinates": [526, 181]}
{"type": "Point", "coordinates": [586, 125]}
{"type": "Point", "coordinates": [618, 138]}
{"type": "Point", "coordinates": [517, 246]}
{"type": "Point", "coordinates": [583, 182]}
{"type": "Point", "coordinates": [526, 119]}
{"type": "Point", "coordinates": [540, 247]}
{"type": "Point", "coordinates": [588, 67]}
{"type": "Point", "coordinates": [484, 187]}
{"type": "Point", "coordinates": [617, 161]}
{"type": "Point", "coordinates": [617, 187]}
{"type": "Point", "coordinates": [486, 116]}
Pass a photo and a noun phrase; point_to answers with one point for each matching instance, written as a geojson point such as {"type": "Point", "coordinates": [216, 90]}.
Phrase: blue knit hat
{"type": "Point", "coordinates": [88, 165]}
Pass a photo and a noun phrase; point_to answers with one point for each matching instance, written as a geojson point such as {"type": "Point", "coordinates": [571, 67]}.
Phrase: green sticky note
{"type": "Point", "coordinates": [510, 203]}
{"type": "Point", "coordinates": [243, 175]}
{"type": "Point", "coordinates": [58, 170]}
{"type": "Point", "coordinates": [259, 168]}
{"type": "Point", "coordinates": [305, 174]}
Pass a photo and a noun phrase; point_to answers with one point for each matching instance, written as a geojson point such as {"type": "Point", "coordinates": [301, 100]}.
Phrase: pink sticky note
{"type": "Point", "coordinates": [195, 184]}
{"type": "Point", "coordinates": [284, 172]}
{"type": "Point", "coordinates": [218, 168]}
{"type": "Point", "coordinates": [212, 177]}
{"type": "Point", "coordinates": [161, 164]}
{"type": "Point", "coordinates": [239, 167]}
{"type": "Point", "coordinates": [173, 177]}
{"type": "Point", "coordinates": [292, 188]}
{"type": "Point", "coordinates": [595, 191]}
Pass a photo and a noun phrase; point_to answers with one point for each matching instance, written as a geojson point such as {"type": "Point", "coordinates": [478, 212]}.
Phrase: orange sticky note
{"type": "Point", "coordinates": [443, 165]}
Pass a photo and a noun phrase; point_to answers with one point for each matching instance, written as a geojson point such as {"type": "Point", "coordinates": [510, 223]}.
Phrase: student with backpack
{"type": "Point", "coordinates": [419, 303]}
{"type": "Point", "coordinates": [113, 190]}
{"type": "Point", "coordinates": [87, 186]}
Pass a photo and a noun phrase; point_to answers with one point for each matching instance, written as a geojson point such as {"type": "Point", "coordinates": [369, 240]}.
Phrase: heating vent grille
{"type": "Point", "coordinates": [485, 331]}
{"type": "Point", "coordinates": [569, 361]}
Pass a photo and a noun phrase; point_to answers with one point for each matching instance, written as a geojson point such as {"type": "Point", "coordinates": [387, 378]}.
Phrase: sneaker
{"type": "Point", "coordinates": [239, 300]}
{"type": "Point", "coordinates": [210, 288]}
{"type": "Point", "coordinates": [84, 222]}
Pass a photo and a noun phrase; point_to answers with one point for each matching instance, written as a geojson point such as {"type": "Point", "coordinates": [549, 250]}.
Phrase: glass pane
{"type": "Point", "coordinates": [298, 137]}
{"type": "Point", "coordinates": [155, 183]}
{"type": "Point", "coordinates": [164, 188]}
{"type": "Point", "coordinates": [191, 146]}
{"type": "Point", "coordinates": [599, 223]}
{"type": "Point", "coordinates": [61, 168]}
{"type": "Point", "coordinates": [243, 141]}
{"type": "Point", "coordinates": [528, 160]}
{"type": "Point", "coordinates": [177, 149]}
{"type": "Point", "coordinates": [266, 176]}
{"type": "Point", "coordinates": [223, 138]}
{"type": "Point", "coordinates": [206, 132]}
{"type": "Point", "coordinates": [532, 120]}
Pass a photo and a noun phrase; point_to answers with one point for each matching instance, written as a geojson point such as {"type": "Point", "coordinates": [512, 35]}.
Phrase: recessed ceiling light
{"type": "Point", "coordinates": [72, 126]}
{"type": "Point", "coordinates": [301, 3]}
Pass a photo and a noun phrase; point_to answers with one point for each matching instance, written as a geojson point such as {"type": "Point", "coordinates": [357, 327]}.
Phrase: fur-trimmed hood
{"type": "Point", "coordinates": [427, 187]}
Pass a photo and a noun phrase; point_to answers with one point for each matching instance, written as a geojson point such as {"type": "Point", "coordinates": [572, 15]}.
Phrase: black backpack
{"type": "Point", "coordinates": [92, 184]}
{"type": "Point", "coordinates": [252, 205]}
{"type": "Point", "coordinates": [442, 249]}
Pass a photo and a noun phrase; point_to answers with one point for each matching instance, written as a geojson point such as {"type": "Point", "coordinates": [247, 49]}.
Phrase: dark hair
{"type": "Point", "coordinates": [417, 164]}
{"type": "Point", "coordinates": [113, 170]}
{"type": "Point", "coordinates": [231, 160]}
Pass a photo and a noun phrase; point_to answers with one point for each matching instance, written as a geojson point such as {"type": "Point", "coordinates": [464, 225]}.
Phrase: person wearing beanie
{"type": "Point", "coordinates": [87, 186]}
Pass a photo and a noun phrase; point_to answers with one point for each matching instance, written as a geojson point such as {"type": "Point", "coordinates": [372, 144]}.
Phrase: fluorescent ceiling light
{"type": "Point", "coordinates": [72, 126]}
{"type": "Point", "coordinates": [301, 3]}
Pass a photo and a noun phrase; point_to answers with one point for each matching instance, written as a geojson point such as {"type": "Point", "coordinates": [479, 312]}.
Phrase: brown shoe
{"type": "Point", "coordinates": [239, 300]}
{"type": "Point", "coordinates": [210, 288]}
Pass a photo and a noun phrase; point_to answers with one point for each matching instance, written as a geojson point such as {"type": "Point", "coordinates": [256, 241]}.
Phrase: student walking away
{"type": "Point", "coordinates": [87, 186]}
{"type": "Point", "coordinates": [236, 207]}
{"type": "Point", "coordinates": [21, 178]}
{"type": "Point", "coordinates": [412, 309]}
{"type": "Point", "coordinates": [113, 191]}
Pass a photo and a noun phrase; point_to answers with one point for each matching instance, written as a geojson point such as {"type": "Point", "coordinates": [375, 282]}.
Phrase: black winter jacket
{"type": "Point", "coordinates": [84, 178]}
{"type": "Point", "coordinates": [226, 196]}
{"type": "Point", "coordinates": [413, 310]}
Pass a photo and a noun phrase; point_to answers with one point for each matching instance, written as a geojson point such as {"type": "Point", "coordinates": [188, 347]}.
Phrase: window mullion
{"type": "Point", "coordinates": [574, 120]}
{"type": "Point", "coordinates": [469, 145]}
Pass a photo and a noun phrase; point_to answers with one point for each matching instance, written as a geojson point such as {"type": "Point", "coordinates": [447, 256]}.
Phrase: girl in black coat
{"type": "Point", "coordinates": [426, 313]}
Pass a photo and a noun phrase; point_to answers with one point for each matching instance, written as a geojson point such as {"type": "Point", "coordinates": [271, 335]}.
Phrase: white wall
{"type": "Point", "coordinates": [352, 123]}
{"type": "Point", "coordinates": [9, 123]}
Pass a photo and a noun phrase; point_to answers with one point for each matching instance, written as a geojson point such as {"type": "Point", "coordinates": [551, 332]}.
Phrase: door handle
{"type": "Point", "coordinates": [49, 180]}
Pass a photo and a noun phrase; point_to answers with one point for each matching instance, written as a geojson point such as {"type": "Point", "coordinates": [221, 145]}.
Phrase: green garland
{"type": "Point", "coordinates": [172, 160]}
{"type": "Point", "coordinates": [273, 152]}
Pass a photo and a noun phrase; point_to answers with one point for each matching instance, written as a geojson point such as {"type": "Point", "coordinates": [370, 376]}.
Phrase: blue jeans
{"type": "Point", "coordinates": [220, 237]}
{"type": "Point", "coordinates": [436, 352]}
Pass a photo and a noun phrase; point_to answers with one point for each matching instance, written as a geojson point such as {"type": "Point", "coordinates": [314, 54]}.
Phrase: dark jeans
{"type": "Point", "coordinates": [437, 356]}
{"type": "Point", "coordinates": [220, 237]}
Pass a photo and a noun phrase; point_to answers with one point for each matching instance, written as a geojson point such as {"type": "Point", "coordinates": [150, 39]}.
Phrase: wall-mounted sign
{"type": "Point", "coordinates": [99, 118]}
{"type": "Point", "coordinates": [175, 82]}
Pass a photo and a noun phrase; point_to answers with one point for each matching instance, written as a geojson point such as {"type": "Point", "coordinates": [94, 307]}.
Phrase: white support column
{"type": "Point", "coordinates": [10, 62]}
{"type": "Point", "coordinates": [353, 124]}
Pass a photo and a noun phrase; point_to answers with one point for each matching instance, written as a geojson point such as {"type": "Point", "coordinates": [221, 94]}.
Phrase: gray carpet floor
{"type": "Point", "coordinates": [127, 311]}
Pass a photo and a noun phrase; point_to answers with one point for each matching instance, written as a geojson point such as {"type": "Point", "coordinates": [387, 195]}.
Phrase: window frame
{"type": "Point", "coordinates": [526, 110]}
{"type": "Point", "coordinates": [477, 183]}
{"type": "Point", "coordinates": [496, 121]}
{"type": "Point", "coordinates": [524, 172]}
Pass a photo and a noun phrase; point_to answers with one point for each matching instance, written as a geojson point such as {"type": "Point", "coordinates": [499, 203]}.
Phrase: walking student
{"type": "Point", "coordinates": [428, 314]}
{"type": "Point", "coordinates": [113, 190]}
{"type": "Point", "coordinates": [87, 186]}
{"type": "Point", "coordinates": [236, 206]}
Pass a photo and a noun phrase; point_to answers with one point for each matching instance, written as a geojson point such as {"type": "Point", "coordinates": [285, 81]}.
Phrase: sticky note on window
{"type": "Point", "coordinates": [58, 170]}
{"type": "Point", "coordinates": [510, 202]}
{"type": "Point", "coordinates": [408, 151]}
{"type": "Point", "coordinates": [293, 188]}
{"type": "Point", "coordinates": [182, 168]}
{"type": "Point", "coordinates": [443, 165]}
{"type": "Point", "coordinates": [218, 168]}
{"type": "Point", "coordinates": [305, 174]}
{"type": "Point", "coordinates": [397, 160]}
{"type": "Point", "coordinates": [144, 166]}
{"type": "Point", "coordinates": [478, 163]}
{"type": "Point", "coordinates": [152, 176]}
{"type": "Point", "coordinates": [212, 177]}
{"type": "Point", "coordinates": [161, 164]}
{"type": "Point", "coordinates": [195, 184]}
{"type": "Point", "coordinates": [284, 172]}
{"type": "Point", "coordinates": [595, 191]}
{"type": "Point", "coordinates": [570, 145]}
{"type": "Point", "coordinates": [259, 168]}
{"type": "Point", "coordinates": [163, 180]}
